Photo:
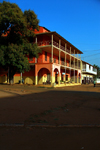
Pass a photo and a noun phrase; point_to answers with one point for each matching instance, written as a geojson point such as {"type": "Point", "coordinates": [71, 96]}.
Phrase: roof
{"type": "Point", "coordinates": [88, 63]}
{"type": "Point", "coordinates": [45, 28]}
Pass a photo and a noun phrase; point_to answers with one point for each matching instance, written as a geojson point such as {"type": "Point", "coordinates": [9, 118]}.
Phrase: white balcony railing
{"type": "Point", "coordinates": [84, 70]}
{"type": "Point", "coordinates": [44, 43]}
{"type": "Point", "coordinates": [89, 71]}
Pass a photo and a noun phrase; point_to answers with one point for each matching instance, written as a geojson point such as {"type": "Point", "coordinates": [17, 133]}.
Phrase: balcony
{"type": "Point", "coordinates": [72, 65]}
{"type": "Point", "coordinates": [32, 60]}
{"type": "Point", "coordinates": [45, 43]}
{"type": "Point", "coordinates": [84, 70]}
{"type": "Point", "coordinates": [62, 63]}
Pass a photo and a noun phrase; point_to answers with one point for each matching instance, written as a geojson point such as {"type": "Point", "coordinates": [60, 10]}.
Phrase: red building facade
{"type": "Point", "coordinates": [59, 61]}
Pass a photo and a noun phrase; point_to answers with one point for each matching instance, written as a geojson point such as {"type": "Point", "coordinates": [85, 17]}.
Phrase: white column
{"type": "Point", "coordinates": [36, 43]}
{"type": "Point", "coordinates": [59, 56]}
{"type": "Point", "coordinates": [36, 75]}
{"type": "Point", "coordinates": [70, 74]}
{"type": "Point", "coordinates": [80, 61]}
{"type": "Point", "coordinates": [59, 50]}
{"type": "Point", "coordinates": [74, 76]}
{"type": "Point", "coordinates": [21, 78]}
{"type": "Point", "coordinates": [65, 74]}
{"type": "Point", "coordinates": [81, 70]}
{"type": "Point", "coordinates": [74, 59]}
{"type": "Point", "coordinates": [36, 79]}
{"type": "Point", "coordinates": [77, 76]}
{"type": "Point", "coordinates": [74, 66]}
{"type": "Point", "coordinates": [65, 55]}
{"type": "Point", "coordinates": [52, 48]}
{"type": "Point", "coordinates": [59, 43]}
{"type": "Point", "coordinates": [70, 56]}
{"type": "Point", "coordinates": [77, 60]}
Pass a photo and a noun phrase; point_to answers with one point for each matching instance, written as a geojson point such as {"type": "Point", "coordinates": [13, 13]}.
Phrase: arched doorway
{"type": "Point", "coordinates": [56, 75]}
{"type": "Point", "coordinates": [79, 77]}
{"type": "Point", "coordinates": [44, 76]}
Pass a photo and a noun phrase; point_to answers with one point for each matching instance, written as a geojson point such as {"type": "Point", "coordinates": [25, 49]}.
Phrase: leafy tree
{"type": "Point", "coordinates": [16, 30]}
{"type": "Point", "coordinates": [98, 71]}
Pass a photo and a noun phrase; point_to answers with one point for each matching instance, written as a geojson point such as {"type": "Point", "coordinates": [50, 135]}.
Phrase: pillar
{"type": "Point", "coordinates": [77, 76]}
{"type": "Point", "coordinates": [36, 43]}
{"type": "Point", "coordinates": [59, 79]}
{"type": "Point", "coordinates": [52, 48]}
{"type": "Point", "coordinates": [65, 54]}
{"type": "Point", "coordinates": [70, 56]}
{"type": "Point", "coordinates": [80, 63]}
{"type": "Point", "coordinates": [70, 74]}
{"type": "Point", "coordinates": [59, 50]}
{"type": "Point", "coordinates": [77, 60]}
{"type": "Point", "coordinates": [65, 59]}
{"type": "Point", "coordinates": [65, 74]}
{"type": "Point", "coordinates": [36, 75]}
{"type": "Point", "coordinates": [74, 76]}
{"type": "Point", "coordinates": [74, 66]}
{"type": "Point", "coordinates": [51, 74]}
{"type": "Point", "coordinates": [36, 79]}
{"type": "Point", "coordinates": [59, 56]}
{"type": "Point", "coordinates": [59, 43]}
{"type": "Point", "coordinates": [21, 78]}
{"type": "Point", "coordinates": [81, 70]}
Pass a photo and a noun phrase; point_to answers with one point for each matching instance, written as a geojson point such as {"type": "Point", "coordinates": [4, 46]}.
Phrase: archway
{"type": "Point", "coordinates": [79, 77]}
{"type": "Point", "coordinates": [56, 75]}
{"type": "Point", "coordinates": [44, 76]}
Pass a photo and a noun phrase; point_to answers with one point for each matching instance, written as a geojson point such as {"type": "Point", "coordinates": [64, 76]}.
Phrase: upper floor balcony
{"type": "Point", "coordinates": [73, 65]}
{"type": "Point", "coordinates": [59, 47]}
{"type": "Point", "coordinates": [89, 69]}
{"type": "Point", "coordinates": [52, 41]}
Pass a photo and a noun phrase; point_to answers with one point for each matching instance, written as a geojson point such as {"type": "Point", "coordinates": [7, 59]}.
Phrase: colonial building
{"type": "Point", "coordinates": [88, 71]}
{"type": "Point", "coordinates": [59, 61]}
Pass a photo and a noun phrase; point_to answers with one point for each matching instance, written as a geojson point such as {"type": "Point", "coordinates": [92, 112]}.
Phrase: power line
{"type": "Point", "coordinates": [94, 59]}
{"type": "Point", "coordinates": [90, 55]}
{"type": "Point", "coordinates": [90, 50]}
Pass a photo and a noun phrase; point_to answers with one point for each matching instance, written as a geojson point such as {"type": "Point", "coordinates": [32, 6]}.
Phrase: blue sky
{"type": "Point", "coordinates": [78, 21]}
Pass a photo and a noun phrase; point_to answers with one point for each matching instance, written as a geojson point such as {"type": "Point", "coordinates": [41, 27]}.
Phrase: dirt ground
{"type": "Point", "coordinates": [72, 105]}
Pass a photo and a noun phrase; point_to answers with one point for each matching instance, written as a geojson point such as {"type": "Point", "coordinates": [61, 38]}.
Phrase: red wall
{"type": "Point", "coordinates": [41, 30]}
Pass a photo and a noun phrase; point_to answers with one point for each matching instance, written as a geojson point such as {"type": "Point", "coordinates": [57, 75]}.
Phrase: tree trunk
{"type": "Point", "coordinates": [10, 75]}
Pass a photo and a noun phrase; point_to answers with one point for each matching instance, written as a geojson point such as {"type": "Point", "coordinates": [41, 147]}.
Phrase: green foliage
{"type": "Point", "coordinates": [98, 71]}
{"type": "Point", "coordinates": [16, 29]}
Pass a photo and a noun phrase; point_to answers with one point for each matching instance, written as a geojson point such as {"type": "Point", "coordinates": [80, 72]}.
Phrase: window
{"type": "Point", "coordinates": [58, 61]}
{"type": "Point", "coordinates": [54, 60]}
{"type": "Point", "coordinates": [62, 59]}
{"type": "Point", "coordinates": [50, 59]}
{"type": "Point", "coordinates": [45, 56]}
